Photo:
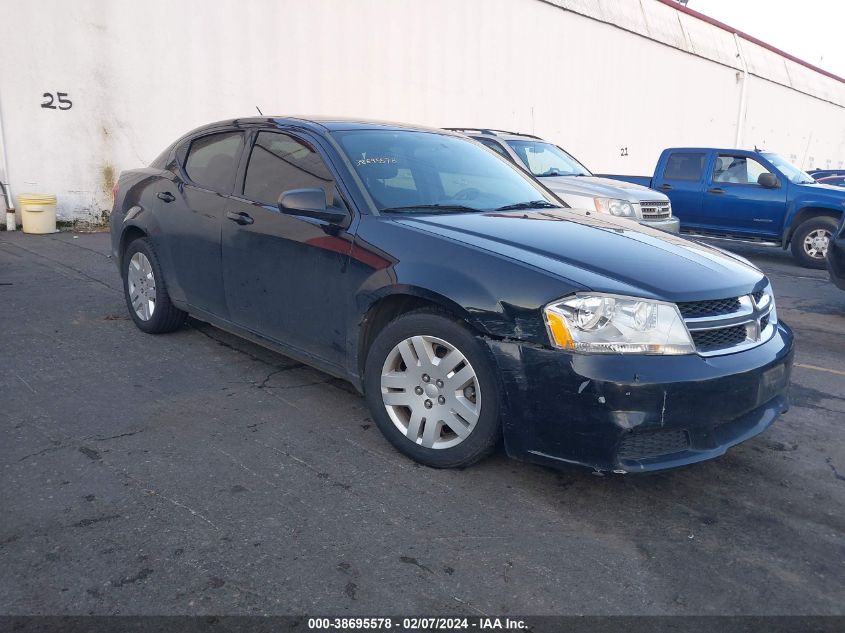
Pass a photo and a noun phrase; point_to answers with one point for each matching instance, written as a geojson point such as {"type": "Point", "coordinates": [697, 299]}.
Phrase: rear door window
{"type": "Point", "coordinates": [213, 160]}
{"type": "Point", "coordinates": [684, 166]}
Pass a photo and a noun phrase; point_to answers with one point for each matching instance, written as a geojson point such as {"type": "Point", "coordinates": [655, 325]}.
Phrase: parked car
{"type": "Point", "coordinates": [455, 292]}
{"type": "Point", "coordinates": [838, 181]}
{"type": "Point", "coordinates": [573, 183]}
{"type": "Point", "coordinates": [836, 256]}
{"type": "Point", "coordinates": [824, 173]}
{"type": "Point", "coordinates": [748, 195]}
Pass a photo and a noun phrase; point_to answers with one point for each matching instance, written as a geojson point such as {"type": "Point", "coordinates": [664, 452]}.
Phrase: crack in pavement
{"type": "Point", "coordinates": [227, 345]}
{"type": "Point", "coordinates": [100, 519]}
{"type": "Point", "coordinates": [68, 267]}
{"type": "Point", "coordinates": [263, 383]}
{"type": "Point", "coordinates": [51, 449]}
{"type": "Point", "coordinates": [78, 245]}
{"type": "Point", "coordinates": [833, 468]}
{"type": "Point", "coordinates": [114, 437]}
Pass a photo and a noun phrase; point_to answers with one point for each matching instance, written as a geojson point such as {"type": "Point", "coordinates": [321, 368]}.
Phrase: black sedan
{"type": "Point", "coordinates": [457, 293]}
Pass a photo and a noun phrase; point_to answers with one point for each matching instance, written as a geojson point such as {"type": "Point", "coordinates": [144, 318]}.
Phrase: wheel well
{"type": "Point", "coordinates": [383, 312]}
{"type": "Point", "coordinates": [809, 213]}
{"type": "Point", "coordinates": [129, 235]}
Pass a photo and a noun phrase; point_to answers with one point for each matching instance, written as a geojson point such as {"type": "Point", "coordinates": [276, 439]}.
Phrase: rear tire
{"type": "Point", "coordinates": [144, 290]}
{"type": "Point", "coordinates": [441, 407]}
{"type": "Point", "coordinates": [806, 246]}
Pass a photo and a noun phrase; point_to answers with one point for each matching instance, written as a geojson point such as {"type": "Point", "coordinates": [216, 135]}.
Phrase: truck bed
{"type": "Point", "coordinates": [645, 181]}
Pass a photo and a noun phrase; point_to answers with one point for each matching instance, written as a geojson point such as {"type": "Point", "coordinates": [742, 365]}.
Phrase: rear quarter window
{"type": "Point", "coordinates": [163, 159]}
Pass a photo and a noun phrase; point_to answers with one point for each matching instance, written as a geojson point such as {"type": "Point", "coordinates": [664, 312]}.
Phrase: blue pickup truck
{"type": "Point", "coordinates": [748, 195]}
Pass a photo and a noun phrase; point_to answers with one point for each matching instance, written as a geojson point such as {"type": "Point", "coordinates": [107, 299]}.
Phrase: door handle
{"type": "Point", "coordinates": [715, 190]}
{"type": "Point", "coordinates": [665, 186]}
{"type": "Point", "coordinates": [240, 217]}
{"type": "Point", "coordinates": [166, 196]}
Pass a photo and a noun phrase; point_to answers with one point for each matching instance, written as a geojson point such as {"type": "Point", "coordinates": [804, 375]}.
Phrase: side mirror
{"type": "Point", "coordinates": [768, 180]}
{"type": "Point", "coordinates": [310, 203]}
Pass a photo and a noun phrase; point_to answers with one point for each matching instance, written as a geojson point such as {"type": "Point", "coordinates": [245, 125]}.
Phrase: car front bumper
{"type": "Point", "coordinates": [638, 413]}
{"type": "Point", "coordinates": [670, 225]}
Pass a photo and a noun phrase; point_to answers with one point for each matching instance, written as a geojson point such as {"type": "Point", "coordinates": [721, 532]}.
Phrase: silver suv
{"type": "Point", "coordinates": [574, 183]}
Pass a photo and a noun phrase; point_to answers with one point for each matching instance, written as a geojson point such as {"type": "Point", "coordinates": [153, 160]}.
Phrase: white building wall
{"type": "Point", "coordinates": [594, 76]}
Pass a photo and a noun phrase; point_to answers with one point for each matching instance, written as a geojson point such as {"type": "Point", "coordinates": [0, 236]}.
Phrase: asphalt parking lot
{"type": "Point", "coordinates": [196, 473]}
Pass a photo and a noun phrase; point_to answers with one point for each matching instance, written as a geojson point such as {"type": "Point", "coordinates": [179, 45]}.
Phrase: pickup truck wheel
{"type": "Point", "coordinates": [431, 389]}
{"type": "Point", "coordinates": [810, 240]}
{"type": "Point", "coordinates": [146, 295]}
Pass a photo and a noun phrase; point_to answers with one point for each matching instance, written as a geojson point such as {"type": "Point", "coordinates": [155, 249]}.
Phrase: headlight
{"type": "Point", "coordinates": [596, 323]}
{"type": "Point", "coordinates": [620, 208]}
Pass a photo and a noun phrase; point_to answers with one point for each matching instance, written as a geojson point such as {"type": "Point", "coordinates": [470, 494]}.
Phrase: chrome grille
{"type": "Point", "coordinates": [655, 209]}
{"type": "Point", "coordinates": [724, 326]}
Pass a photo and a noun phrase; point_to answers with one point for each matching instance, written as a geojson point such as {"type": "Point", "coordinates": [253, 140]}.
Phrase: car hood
{"type": "Point", "coordinates": [600, 252]}
{"type": "Point", "coordinates": [821, 188]}
{"type": "Point", "coordinates": [601, 187]}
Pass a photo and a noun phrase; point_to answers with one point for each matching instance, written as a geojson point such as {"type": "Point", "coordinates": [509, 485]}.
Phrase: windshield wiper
{"type": "Point", "coordinates": [552, 172]}
{"type": "Point", "coordinates": [429, 207]}
{"type": "Point", "coordinates": [556, 172]}
{"type": "Point", "coordinates": [534, 204]}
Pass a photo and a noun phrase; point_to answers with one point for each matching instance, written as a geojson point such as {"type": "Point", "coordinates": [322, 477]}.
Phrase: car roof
{"type": "Point", "coordinates": [721, 150]}
{"type": "Point", "coordinates": [494, 133]}
{"type": "Point", "coordinates": [321, 124]}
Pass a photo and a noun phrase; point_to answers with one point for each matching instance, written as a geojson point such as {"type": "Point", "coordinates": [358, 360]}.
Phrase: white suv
{"type": "Point", "coordinates": [574, 184]}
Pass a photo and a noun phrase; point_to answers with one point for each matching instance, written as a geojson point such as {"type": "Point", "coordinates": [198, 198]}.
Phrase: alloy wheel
{"type": "Point", "coordinates": [816, 242]}
{"type": "Point", "coordinates": [431, 392]}
{"type": "Point", "coordinates": [142, 286]}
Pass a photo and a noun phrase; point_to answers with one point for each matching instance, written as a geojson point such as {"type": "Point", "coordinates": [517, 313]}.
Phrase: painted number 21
{"type": "Point", "coordinates": [61, 98]}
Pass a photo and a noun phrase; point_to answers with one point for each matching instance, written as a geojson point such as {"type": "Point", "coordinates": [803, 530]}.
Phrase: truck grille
{"type": "Point", "coordinates": [655, 209]}
{"type": "Point", "coordinates": [723, 326]}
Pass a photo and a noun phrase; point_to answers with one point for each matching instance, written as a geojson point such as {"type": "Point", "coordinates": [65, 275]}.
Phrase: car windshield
{"type": "Point", "coordinates": [544, 159]}
{"type": "Point", "coordinates": [788, 169]}
{"type": "Point", "coordinates": [410, 171]}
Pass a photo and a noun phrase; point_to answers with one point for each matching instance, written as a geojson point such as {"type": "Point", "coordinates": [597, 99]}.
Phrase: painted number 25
{"type": "Point", "coordinates": [61, 98]}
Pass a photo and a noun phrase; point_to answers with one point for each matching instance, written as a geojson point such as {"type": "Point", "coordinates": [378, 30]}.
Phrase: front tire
{"type": "Point", "coordinates": [431, 388]}
{"type": "Point", "coordinates": [144, 290]}
{"type": "Point", "coordinates": [810, 240]}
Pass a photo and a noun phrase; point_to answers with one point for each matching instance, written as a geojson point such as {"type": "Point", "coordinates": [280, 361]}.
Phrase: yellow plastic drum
{"type": "Point", "coordinates": [38, 212]}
